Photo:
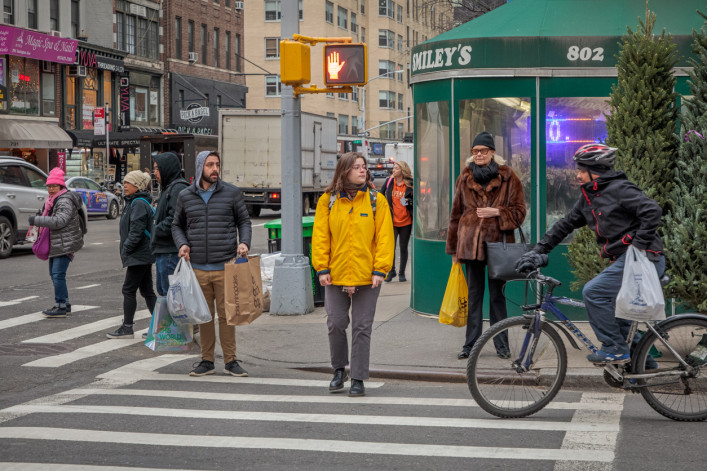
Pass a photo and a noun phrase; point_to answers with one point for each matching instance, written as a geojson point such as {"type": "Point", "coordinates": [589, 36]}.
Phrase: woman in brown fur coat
{"type": "Point", "coordinates": [488, 202]}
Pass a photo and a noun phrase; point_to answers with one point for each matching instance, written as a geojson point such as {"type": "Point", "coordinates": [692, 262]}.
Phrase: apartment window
{"type": "Point", "coordinates": [354, 26]}
{"type": "Point", "coordinates": [386, 38]}
{"type": "Point", "coordinates": [400, 101]}
{"type": "Point", "coordinates": [178, 37]}
{"type": "Point", "coordinates": [386, 99]}
{"type": "Point", "coordinates": [330, 115]}
{"type": "Point", "coordinates": [329, 95]}
{"type": "Point", "coordinates": [401, 131]}
{"type": "Point", "coordinates": [75, 20]}
{"type": "Point", "coordinates": [343, 96]}
{"type": "Point", "coordinates": [204, 39]}
{"type": "Point", "coordinates": [238, 53]}
{"type": "Point", "coordinates": [432, 17]}
{"type": "Point", "coordinates": [228, 48]}
{"type": "Point", "coordinates": [32, 14]}
{"type": "Point", "coordinates": [54, 15]}
{"type": "Point", "coordinates": [48, 95]}
{"type": "Point", "coordinates": [407, 8]}
{"type": "Point", "coordinates": [8, 12]}
{"type": "Point", "coordinates": [354, 94]}
{"type": "Point", "coordinates": [141, 36]}
{"type": "Point", "coordinates": [386, 131]}
{"type": "Point", "coordinates": [386, 8]}
{"type": "Point", "coordinates": [130, 34]}
{"type": "Point", "coordinates": [363, 7]}
{"type": "Point", "coordinates": [216, 47]}
{"type": "Point", "coordinates": [400, 72]}
{"type": "Point", "coordinates": [386, 68]}
{"type": "Point", "coordinates": [343, 124]}
{"type": "Point", "coordinates": [329, 12]}
{"type": "Point", "coordinates": [400, 43]}
{"type": "Point", "coordinates": [400, 13]}
{"type": "Point", "coordinates": [342, 18]}
{"type": "Point", "coordinates": [273, 10]}
{"type": "Point", "coordinates": [218, 101]}
{"type": "Point", "coordinates": [363, 34]}
{"type": "Point", "coordinates": [272, 48]}
{"type": "Point", "coordinates": [135, 34]}
{"type": "Point", "coordinates": [272, 85]}
{"type": "Point", "coordinates": [190, 36]}
{"type": "Point", "coordinates": [354, 125]}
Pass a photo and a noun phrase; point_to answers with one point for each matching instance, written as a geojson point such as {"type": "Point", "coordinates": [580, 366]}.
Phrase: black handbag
{"type": "Point", "coordinates": [501, 258]}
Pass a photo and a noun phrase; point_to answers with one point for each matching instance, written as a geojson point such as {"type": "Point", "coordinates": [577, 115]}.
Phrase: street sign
{"type": "Point", "coordinates": [99, 121]}
{"type": "Point", "coordinates": [345, 64]}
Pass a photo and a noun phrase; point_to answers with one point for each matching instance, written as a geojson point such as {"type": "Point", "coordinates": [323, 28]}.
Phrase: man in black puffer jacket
{"type": "Point", "coordinates": [168, 172]}
{"type": "Point", "coordinates": [209, 220]}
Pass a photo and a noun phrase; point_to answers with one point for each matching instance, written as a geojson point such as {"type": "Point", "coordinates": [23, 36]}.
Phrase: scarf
{"type": "Point", "coordinates": [483, 175]}
{"type": "Point", "coordinates": [50, 202]}
{"type": "Point", "coordinates": [351, 189]}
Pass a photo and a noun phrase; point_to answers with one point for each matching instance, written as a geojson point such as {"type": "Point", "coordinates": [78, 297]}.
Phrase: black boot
{"type": "Point", "coordinates": [337, 382]}
{"type": "Point", "coordinates": [391, 274]}
{"type": "Point", "coordinates": [357, 388]}
{"type": "Point", "coordinates": [401, 278]}
{"type": "Point", "coordinates": [56, 311]}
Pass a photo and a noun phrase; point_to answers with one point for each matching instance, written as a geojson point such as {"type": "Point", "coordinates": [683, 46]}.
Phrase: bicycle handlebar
{"type": "Point", "coordinates": [544, 279]}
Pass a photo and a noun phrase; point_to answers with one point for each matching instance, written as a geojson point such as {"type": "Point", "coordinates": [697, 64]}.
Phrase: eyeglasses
{"type": "Point", "coordinates": [53, 186]}
{"type": "Point", "coordinates": [480, 151]}
{"type": "Point", "coordinates": [359, 167]}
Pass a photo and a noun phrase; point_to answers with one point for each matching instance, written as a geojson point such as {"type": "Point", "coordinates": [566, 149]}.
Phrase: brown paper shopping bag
{"type": "Point", "coordinates": [244, 292]}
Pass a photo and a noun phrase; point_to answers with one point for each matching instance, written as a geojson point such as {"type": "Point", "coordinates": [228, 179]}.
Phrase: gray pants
{"type": "Point", "coordinates": [363, 309]}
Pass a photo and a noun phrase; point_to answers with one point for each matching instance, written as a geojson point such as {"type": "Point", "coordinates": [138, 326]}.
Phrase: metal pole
{"type": "Point", "coordinates": [106, 117]}
{"type": "Point", "coordinates": [292, 282]}
{"type": "Point", "coordinates": [363, 124]}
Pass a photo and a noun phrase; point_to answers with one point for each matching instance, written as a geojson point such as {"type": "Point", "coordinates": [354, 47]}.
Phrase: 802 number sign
{"type": "Point", "coordinates": [585, 54]}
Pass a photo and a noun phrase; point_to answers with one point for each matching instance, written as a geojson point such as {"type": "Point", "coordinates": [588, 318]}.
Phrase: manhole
{"type": "Point", "coordinates": [30, 349]}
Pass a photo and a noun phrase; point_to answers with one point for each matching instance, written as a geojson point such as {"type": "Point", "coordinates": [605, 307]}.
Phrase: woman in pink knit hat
{"type": "Point", "coordinates": [60, 216]}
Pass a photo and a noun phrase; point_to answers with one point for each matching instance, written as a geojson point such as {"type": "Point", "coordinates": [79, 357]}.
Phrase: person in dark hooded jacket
{"type": "Point", "coordinates": [168, 172]}
{"type": "Point", "coordinates": [135, 227]}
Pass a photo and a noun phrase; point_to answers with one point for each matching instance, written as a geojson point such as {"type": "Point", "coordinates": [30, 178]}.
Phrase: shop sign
{"type": "Point", "coordinates": [91, 59]}
{"type": "Point", "coordinates": [195, 130]}
{"type": "Point", "coordinates": [124, 101]}
{"type": "Point", "coordinates": [194, 113]}
{"type": "Point", "coordinates": [523, 52]}
{"type": "Point", "coordinates": [99, 121]}
{"type": "Point", "coordinates": [61, 160]}
{"type": "Point", "coordinates": [33, 45]}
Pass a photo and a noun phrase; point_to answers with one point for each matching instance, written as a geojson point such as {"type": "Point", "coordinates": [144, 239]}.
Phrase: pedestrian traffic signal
{"type": "Point", "coordinates": [345, 64]}
{"type": "Point", "coordinates": [294, 63]}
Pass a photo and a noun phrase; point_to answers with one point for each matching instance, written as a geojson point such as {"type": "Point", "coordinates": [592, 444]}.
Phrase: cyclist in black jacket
{"type": "Point", "coordinates": [621, 215]}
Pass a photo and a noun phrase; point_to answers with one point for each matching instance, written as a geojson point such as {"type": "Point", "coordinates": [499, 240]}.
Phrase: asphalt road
{"type": "Point", "coordinates": [70, 396]}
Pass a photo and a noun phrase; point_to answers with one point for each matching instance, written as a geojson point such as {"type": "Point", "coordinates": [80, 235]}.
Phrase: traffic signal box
{"type": "Point", "coordinates": [294, 63]}
{"type": "Point", "coordinates": [345, 64]}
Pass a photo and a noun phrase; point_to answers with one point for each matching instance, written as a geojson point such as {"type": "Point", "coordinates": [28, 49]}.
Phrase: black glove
{"type": "Point", "coordinates": [31, 220]}
{"type": "Point", "coordinates": [530, 261]}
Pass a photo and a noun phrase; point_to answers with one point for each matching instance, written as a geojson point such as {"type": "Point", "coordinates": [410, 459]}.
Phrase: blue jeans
{"type": "Point", "coordinates": [600, 300]}
{"type": "Point", "coordinates": [165, 263]}
{"type": "Point", "coordinates": [57, 270]}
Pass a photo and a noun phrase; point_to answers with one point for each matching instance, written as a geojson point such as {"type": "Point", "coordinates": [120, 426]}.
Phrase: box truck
{"type": "Point", "coordinates": [250, 144]}
{"type": "Point", "coordinates": [400, 152]}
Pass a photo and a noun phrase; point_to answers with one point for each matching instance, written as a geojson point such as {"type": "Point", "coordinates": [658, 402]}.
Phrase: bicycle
{"type": "Point", "coordinates": [667, 363]}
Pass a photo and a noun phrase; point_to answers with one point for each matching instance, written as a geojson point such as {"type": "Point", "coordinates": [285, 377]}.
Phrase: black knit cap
{"type": "Point", "coordinates": [484, 139]}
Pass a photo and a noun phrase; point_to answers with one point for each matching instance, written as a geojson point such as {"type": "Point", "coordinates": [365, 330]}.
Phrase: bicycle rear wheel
{"type": "Point", "coordinates": [503, 387]}
{"type": "Point", "coordinates": [682, 398]}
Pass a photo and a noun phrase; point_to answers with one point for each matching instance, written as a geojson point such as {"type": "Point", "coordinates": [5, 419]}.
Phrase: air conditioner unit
{"type": "Point", "coordinates": [55, 33]}
{"type": "Point", "coordinates": [238, 5]}
{"type": "Point", "coordinates": [193, 57]}
{"type": "Point", "coordinates": [77, 70]}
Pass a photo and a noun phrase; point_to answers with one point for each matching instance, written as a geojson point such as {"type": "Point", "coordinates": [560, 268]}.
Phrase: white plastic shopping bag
{"type": "Point", "coordinates": [641, 296]}
{"type": "Point", "coordinates": [185, 301]}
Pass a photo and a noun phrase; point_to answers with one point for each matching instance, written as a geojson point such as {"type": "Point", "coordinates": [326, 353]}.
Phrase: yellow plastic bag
{"type": "Point", "coordinates": [456, 301]}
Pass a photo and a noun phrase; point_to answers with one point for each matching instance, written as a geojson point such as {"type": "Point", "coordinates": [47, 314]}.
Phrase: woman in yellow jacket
{"type": "Point", "coordinates": [352, 250]}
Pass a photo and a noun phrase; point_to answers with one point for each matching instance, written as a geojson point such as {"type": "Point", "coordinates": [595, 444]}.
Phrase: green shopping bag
{"type": "Point", "coordinates": [164, 335]}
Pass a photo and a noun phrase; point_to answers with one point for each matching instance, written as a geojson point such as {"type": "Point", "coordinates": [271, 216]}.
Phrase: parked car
{"type": "Point", "coordinates": [23, 192]}
{"type": "Point", "coordinates": [98, 201]}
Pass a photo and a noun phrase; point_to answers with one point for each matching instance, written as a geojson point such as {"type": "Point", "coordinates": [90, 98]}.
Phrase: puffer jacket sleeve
{"type": "Point", "coordinates": [179, 223]}
{"type": "Point", "coordinates": [457, 211]}
{"type": "Point", "coordinates": [164, 227]}
{"type": "Point", "coordinates": [63, 212]}
{"type": "Point", "coordinates": [245, 229]}
{"type": "Point", "coordinates": [384, 239]}
{"type": "Point", "coordinates": [321, 237]}
{"type": "Point", "coordinates": [512, 216]}
{"type": "Point", "coordinates": [140, 215]}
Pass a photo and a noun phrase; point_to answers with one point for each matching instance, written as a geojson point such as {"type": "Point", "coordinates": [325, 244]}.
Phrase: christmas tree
{"type": "Point", "coordinates": [641, 125]}
{"type": "Point", "coordinates": [686, 226]}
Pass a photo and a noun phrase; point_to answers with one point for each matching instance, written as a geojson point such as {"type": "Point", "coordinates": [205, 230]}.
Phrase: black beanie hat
{"type": "Point", "coordinates": [484, 139]}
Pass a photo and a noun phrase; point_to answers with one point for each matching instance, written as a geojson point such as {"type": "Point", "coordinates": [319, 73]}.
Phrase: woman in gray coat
{"type": "Point", "coordinates": [60, 215]}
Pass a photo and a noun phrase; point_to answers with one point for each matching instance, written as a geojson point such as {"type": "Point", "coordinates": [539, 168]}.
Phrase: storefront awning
{"type": "Point", "coordinates": [86, 138]}
{"type": "Point", "coordinates": [24, 133]}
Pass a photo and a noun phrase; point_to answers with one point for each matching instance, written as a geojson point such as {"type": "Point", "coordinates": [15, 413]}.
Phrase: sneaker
{"type": "Point", "coordinates": [391, 274]}
{"type": "Point", "coordinates": [401, 278]}
{"type": "Point", "coordinates": [505, 354]}
{"type": "Point", "coordinates": [603, 356]}
{"type": "Point", "coordinates": [124, 331]}
{"type": "Point", "coordinates": [55, 312]}
{"type": "Point", "coordinates": [202, 368]}
{"type": "Point", "coordinates": [234, 369]}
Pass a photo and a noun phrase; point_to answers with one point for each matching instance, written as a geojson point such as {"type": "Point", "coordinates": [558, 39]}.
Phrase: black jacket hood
{"type": "Point", "coordinates": [169, 166]}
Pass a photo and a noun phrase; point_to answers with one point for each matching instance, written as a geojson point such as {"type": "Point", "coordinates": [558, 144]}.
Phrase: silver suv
{"type": "Point", "coordinates": [22, 193]}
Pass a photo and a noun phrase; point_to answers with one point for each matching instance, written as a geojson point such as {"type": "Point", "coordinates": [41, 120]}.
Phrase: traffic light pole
{"type": "Point", "coordinates": [292, 281]}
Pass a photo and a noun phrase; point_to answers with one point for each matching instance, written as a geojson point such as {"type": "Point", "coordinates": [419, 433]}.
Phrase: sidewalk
{"type": "Point", "coordinates": [404, 344]}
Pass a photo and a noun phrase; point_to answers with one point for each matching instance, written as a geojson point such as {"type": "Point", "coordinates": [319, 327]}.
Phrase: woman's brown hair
{"type": "Point", "coordinates": [406, 172]}
{"type": "Point", "coordinates": [343, 167]}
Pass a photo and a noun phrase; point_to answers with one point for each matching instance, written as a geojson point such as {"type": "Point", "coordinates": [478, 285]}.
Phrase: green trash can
{"type": "Point", "coordinates": [274, 228]}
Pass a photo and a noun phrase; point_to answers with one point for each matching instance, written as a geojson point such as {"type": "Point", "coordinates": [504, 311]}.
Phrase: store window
{"type": "Point", "coordinates": [23, 86]}
{"type": "Point", "coordinates": [432, 175]}
{"type": "Point", "coordinates": [570, 122]}
{"type": "Point", "coordinates": [48, 95]}
{"type": "Point", "coordinates": [138, 105]}
{"type": "Point", "coordinates": [89, 97]}
{"type": "Point", "coordinates": [508, 120]}
{"type": "Point", "coordinates": [70, 102]}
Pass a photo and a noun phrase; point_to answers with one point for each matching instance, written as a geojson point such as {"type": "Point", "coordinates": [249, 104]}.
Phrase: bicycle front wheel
{"type": "Point", "coordinates": [682, 396]}
{"type": "Point", "coordinates": [524, 383]}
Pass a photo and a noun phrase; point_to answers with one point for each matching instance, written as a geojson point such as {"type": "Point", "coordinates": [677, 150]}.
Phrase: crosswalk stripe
{"type": "Point", "coordinates": [16, 301]}
{"type": "Point", "coordinates": [37, 316]}
{"type": "Point", "coordinates": [327, 399]}
{"type": "Point", "coordinates": [8, 466]}
{"type": "Point", "coordinates": [88, 351]}
{"type": "Point", "coordinates": [295, 444]}
{"type": "Point", "coordinates": [80, 331]}
{"type": "Point", "coordinates": [151, 376]}
{"type": "Point", "coordinates": [261, 416]}
{"type": "Point", "coordinates": [88, 286]}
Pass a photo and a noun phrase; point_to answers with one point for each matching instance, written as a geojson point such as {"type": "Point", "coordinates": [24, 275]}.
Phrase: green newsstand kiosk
{"type": "Point", "coordinates": [536, 74]}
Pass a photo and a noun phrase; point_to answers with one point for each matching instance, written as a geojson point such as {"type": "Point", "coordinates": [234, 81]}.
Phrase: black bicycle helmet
{"type": "Point", "coordinates": [595, 156]}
